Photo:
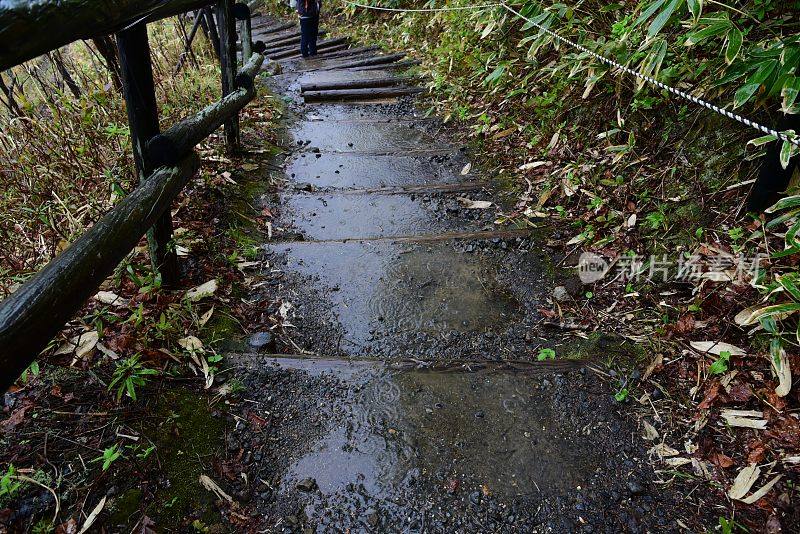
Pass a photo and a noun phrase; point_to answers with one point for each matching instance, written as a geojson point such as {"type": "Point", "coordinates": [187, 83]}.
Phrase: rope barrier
{"type": "Point", "coordinates": [699, 101]}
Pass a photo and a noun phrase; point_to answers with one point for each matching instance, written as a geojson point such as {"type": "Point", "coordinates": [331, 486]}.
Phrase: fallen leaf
{"type": "Point", "coordinates": [466, 169]}
{"type": "Point", "coordinates": [112, 299]}
{"type": "Point", "coordinates": [710, 397]}
{"type": "Point", "coordinates": [744, 481]}
{"type": "Point", "coordinates": [191, 344]}
{"type": "Point", "coordinates": [780, 366]}
{"type": "Point", "coordinates": [13, 420]}
{"type": "Point", "coordinates": [202, 291]}
{"type": "Point", "coordinates": [745, 418]}
{"type": "Point", "coordinates": [763, 491]}
{"type": "Point", "coordinates": [206, 316]}
{"type": "Point", "coordinates": [532, 165]}
{"type": "Point", "coordinates": [212, 486]}
{"type": "Point", "coordinates": [721, 460]}
{"type": "Point", "coordinates": [81, 345]}
{"type": "Point", "coordinates": [250, 167]}
{"type": "Point", "coordinates": [505, 133]}
{"type": "Point", "coordinates": [93, 516]}
{"type": "Point", "coordinates": [650, 433]}
{"type": "Point", "coordinates": [474, 204]}
{"type": "Point", "coordinates": [716, 348]}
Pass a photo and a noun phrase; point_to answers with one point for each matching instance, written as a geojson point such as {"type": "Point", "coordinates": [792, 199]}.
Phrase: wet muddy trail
{"type": "Point", "coordinates": [413, 401]}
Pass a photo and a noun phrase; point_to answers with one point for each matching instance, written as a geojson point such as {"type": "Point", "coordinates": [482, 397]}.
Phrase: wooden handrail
{"type": "Point", "coordinates": [31, 28]}
{"type": "Point", "coordinates": [174, 143]}
{"type": "Point", "coordinates": [32, 315]}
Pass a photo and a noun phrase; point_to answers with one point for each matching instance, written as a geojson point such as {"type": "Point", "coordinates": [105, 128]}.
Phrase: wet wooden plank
{"type": "Point", "coordinates": [340, 95]}
{"type": "Point", "coordinates": [423, 238]}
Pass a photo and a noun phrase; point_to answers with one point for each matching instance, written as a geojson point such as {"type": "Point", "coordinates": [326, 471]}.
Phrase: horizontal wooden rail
{"type": "Point", "coordinates": [31, 316]}
{"type": "Point", "coordinates": [179, 139]}
{"type": "Point", "coordinates": [31, 28]}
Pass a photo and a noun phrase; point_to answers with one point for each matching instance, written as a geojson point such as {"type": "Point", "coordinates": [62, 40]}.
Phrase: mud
{"type": "Point", "coordinates": [383, 424]}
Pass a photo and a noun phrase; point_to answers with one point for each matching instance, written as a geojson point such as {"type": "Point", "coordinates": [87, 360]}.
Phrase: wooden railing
{"type": "Point", "coordinates": [31, 316]}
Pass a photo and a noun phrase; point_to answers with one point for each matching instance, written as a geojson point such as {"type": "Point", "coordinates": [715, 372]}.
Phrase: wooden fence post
{"type": "Point", "coordinates": [242, 12]}
{"type": "Point", "coordinates": [226, 25]}
{"type": "Point", "coordinates": [212, 29]}
{"type": "Point", "coordinates": [139, 91]}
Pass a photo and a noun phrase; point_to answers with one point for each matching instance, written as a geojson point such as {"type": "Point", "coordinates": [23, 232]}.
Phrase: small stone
{"type": "Point", "coordinates": [656, 394]}
{"type": "Point", "coordinates": [560, 293]}
{"type": "Point", "coordinates": [635, 488]}
{"type": "Point", "coordinates": [307, 484]}
{"type": "Point", "coordinates": [372, 517]}
{"type": "Point", "coordinates": [479, 414]}
{"type": "Point", "coordinates": [260, 339]}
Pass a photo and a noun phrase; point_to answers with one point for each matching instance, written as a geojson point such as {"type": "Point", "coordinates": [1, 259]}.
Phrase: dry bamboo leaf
{"type": "Point", "coordinates": [717, 347]}
{"type": "Point", "coordinates": [213, 487]}
{"type": "Point", "coordinates": [532, 165]}
{"type": "Point", "coordinates": [112, 299]}
{"type": "Point", "coordinates": [663, 451]}
{"type": "Point", "coordinates": [206, 316]}
{"type": "Point", "coordinates": [745, 418]}
{"type": "Point", "coordinates": [650, 433]}
{"type": "Point", "coordinates": [761, 492]}
{"type": "Point", "coordinates": [474, 204]}
{"type": "Point", "coordinates": [202, 291]}
{"type": "Point", "coordinates": [93, 516]}
{"type": "Point", "coordinates": [744, 481]}
{"type": "Point", "coordinates": [657, 362]}
{"type": "Point", "coordinates": [780, 366]}
{"type": "Point", "coordinates": [677, 462]}
{"type": "Point", "coordinates": [191, 344]}
{"type": "Point", "coordinates": [81, 345]}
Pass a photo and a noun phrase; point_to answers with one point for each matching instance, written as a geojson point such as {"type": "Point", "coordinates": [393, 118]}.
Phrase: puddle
{"type": "Point", "coordinates": [347, 137]}
{"type": "Point", "coordinates": [376, 290]}
{"type": "Point", "coordinates": [321, 217]}
{"type": "Point", "coordinates": [490, 431]}
{"type": "Point", "coordinates": [361, 171]}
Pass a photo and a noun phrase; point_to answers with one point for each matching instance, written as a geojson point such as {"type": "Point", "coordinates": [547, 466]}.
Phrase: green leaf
{"type": "Point", "coordinates": [769, 324]}
{"type": "Point", "coordinates": [648, 12]}
{"type": "Point", "coordinates": [791, 88]}
{"type": "Point", "coordinates": [720, 365]}
{"type": "Point", "coordinates": [791, 236]}
{"type": "Point", "coordinates": [663, 18]}
{"type": "Point", "coordinates": [785, 203]}
{"type": "Point", "coordinates": [717, 28]}
{"type": "Point", "coordinates": [695, 8]}
{"type": "Point", "coordinates": [495, 75]}
{"type": "Point", "coordinates": [744, 93]}
{"type": "Point", "coordinates": [735, 39]}
{"type": "Point", "coordinates": [546, 354]}
{"type": "Point", "coordinates": [763, 140]}
{"type": "Point", "coordinates": [786, 153]}
{"type": "Point", "coordinates": [621, 395]}
{"type": "Point", "coordinates": [789, 283]}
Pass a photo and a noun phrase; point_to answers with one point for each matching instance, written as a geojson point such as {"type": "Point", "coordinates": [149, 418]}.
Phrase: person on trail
{"type": "Point", "coordinates": [309, 25]}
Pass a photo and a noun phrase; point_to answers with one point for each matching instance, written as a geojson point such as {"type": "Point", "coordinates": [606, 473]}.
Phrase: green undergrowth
{"type": "Point", "coordinates": [65, 153]}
